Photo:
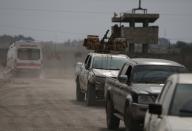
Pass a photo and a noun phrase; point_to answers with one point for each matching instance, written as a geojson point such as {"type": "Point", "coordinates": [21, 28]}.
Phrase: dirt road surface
{"type": "Point", "coordinates": [47, 105]}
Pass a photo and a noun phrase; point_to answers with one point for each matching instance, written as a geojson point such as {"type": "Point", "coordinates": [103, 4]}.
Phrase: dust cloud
{"type": "Point", "coordinates": [60, 63]}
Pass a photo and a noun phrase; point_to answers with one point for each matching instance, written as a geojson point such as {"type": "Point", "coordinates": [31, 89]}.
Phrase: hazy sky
{"type": "Point", "coordinates": [59, 20]}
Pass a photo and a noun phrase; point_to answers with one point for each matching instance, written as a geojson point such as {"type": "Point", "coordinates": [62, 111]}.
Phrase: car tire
{"type": "Point", "coordinates": [80, 96]}
{"type": "Point", "coordinates": [130, 124]}
{"type": "Point", "coordinates": [112, 121]}
{"type": "Point", "coordinates": [90, 95]}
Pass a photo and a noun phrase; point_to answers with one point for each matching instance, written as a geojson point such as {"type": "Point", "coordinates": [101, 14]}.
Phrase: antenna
{"type": "Point", "coordinates": [139, 8]}
{"type": "Point", "coordinates": [139, 4]}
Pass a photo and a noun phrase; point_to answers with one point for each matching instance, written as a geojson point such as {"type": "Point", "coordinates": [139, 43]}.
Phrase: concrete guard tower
{"type": "Point", "coordinates": [135, 29]}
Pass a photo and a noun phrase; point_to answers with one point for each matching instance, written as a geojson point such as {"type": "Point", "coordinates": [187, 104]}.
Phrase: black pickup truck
{"type": "Point", "coordinates": [138, 84]}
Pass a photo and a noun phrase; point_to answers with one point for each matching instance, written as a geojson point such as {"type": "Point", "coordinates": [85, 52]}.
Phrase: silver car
{"type": "Point", "coordinates": [173, 108]}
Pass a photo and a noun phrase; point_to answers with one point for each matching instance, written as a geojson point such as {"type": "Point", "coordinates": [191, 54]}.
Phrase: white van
{"type": "Point", "coordinates": [25, 56]}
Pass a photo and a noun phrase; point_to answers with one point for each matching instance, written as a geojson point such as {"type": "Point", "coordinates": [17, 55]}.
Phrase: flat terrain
{"type": "Point", "coordinates": [28, 104]}
{"type": "Point", "coordinates": [48, 103]}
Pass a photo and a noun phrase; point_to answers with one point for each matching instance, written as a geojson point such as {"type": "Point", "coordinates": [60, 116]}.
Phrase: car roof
{"type": "Point", "coordinates": [183, 78]}
{"type": "Point", "coordinates": [21, 43]}
{"type": "Point", "coordinates": [151, 61]}
{"type": "Point", "coordinates": [109, 54]}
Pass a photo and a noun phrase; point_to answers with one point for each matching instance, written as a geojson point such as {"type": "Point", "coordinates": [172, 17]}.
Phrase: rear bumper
{"type": "Point", "coordinates": [27, 72]}
{"type": "Point", "coordinates": [28, 67]}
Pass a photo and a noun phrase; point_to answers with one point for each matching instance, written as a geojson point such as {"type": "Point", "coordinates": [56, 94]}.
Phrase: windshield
{"type": "Point", "coordinates": [182, 101]}
{"type": "Point", "coordinates": [28, 54]}
{"type": "Point", "coordinates": [108, 63]}
{"type": "Point", "coordinates": [154, 73]}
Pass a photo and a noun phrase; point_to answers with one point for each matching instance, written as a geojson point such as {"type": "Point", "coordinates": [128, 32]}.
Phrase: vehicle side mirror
{"type": "Point", "coordinates": [123, 78]}
{"type": "Point", "coordinates": [155, 109]}
{"type": "Point", "coordinates": [78, 67]}
{"type": "Point", "coordinates": [87, 67]}
{"type": "Point", "coordinates": [79, 64]}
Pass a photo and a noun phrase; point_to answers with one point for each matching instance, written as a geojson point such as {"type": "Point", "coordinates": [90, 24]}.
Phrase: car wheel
{"type": "Point", "coordinates": [112, 120]}
{"type": "Point", "coordinates": [80, 96]}
{"type": "Point", "coordinates": [130, 124]}
{"type": "Point", "coordinates": [90, 95]}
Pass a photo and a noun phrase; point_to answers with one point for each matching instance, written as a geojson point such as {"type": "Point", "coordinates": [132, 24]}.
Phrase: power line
{"type": "Point", "coordinates": [176, 14]}
{"type": "Point", "coordinates": [41, 30]}
{"type": "Point", "coordinates": [56, 10]}
{"type": "Point", "coordinates": [66, 32]}
{"type": "Point", "coordinates": [82, 11]}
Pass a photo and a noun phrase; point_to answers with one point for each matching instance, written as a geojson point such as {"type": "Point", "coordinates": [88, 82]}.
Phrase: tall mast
{"type": "Point", "coordinates": [139, 4]}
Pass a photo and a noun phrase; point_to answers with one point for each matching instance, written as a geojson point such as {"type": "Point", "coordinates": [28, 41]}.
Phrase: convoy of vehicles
{"type": "Point", "coordinates": [24, 56]}
{"type": "Point", "coordinates": [173, 108]}
{"type": "Point", "coordinates": [130, 87]}
{"type": "Point", "coordinates": [145, 93]}
{"type": "Point", "coordinates": [138, 84]}
{"type": "Point", "coordinates": [91, 75]}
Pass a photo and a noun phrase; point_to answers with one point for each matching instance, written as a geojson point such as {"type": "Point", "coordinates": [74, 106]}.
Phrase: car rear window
{"type": "Point", "coordinates": [154, 73]}
{"type": "Point", "coordinates": [109, 63]}
{"type": "Point", "coordinates": [28, 54]}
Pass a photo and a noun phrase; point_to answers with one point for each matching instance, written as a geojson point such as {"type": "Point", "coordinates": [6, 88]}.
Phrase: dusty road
{"type": "Point", "coordinates": [46, 105]}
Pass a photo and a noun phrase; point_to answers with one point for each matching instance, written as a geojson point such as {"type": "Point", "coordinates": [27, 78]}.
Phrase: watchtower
{"type": "Point", "coordinates": [135, 28]}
